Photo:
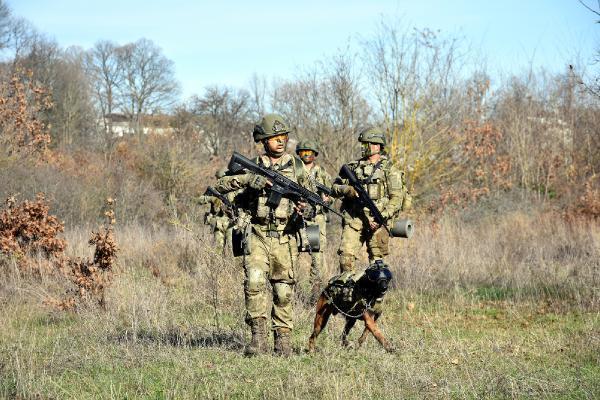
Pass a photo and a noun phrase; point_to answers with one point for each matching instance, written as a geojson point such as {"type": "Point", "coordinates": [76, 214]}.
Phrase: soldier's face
{"type": "Point", "coordinates": [368, 149]}
{"type": "Point", "coordinates": [277, 144]}
{"type": "Point", "coordinates": [307, 156]}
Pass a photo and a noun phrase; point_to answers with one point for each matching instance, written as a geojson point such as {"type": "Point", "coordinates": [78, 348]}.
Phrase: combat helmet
{"type": "Point", "coordinates": [307, 145]}
{"type": "Point", "coordinates": [372, 135]}
{"type": "Point", "coordinates": [270, 125]}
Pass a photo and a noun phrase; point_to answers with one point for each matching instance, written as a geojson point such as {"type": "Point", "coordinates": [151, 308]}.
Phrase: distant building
{"type": "Point", "coordinates": [123, 125]}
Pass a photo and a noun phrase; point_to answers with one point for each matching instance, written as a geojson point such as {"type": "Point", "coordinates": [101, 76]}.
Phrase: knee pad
{"type": "Point", "coordinates": [282, 294]}
{"type": "Point", "coordinates": [256, 281]}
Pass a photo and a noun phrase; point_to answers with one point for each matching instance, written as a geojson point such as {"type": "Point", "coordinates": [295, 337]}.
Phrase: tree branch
{"type": "Point", "coordinates": [591, 9]}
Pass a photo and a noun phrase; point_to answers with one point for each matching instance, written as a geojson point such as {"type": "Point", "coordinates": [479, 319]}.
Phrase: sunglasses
{"type": "Point", "coordinates": [279, 138]}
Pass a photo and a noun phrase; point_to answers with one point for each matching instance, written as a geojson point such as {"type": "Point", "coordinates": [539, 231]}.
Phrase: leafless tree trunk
{"type": "Point", "coordinates": [223, 116]}
{"type": "Point", "coordinates": [149, 81]}
{"type": "Point", "coordinates": [104, 70]}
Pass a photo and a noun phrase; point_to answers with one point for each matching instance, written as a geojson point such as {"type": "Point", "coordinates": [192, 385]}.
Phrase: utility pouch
{"type": "Point", "coordinates": [309, 239]}
{"type": "Point", "coordinates": [240, 242]}
{"type": "Point", "coordinates": [374, 191]}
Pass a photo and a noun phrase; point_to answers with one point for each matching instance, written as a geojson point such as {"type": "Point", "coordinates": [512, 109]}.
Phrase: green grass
{"type": "Point", "coordinates": [446, 349]}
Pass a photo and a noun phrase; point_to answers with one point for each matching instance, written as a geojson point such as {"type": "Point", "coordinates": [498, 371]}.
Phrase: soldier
{"type": "Point", "coordinates": [217, 217]}
{"type": "Point", "coordinates": [308, 151]}
{"type": "Point", "coordinates": [385, 185]}
{"type": "Point", "coordinates": [271, 244]}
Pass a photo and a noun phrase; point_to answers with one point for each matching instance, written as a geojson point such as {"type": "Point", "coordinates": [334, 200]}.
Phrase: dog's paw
{"type": "Point", "coordinates": [390, 348]}
{"type": "Point", "coordinates": [349, 345]}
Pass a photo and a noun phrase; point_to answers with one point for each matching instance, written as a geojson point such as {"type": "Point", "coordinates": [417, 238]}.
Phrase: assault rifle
{"type": "Point", "coordinates": [363, 197]}
{"type": "Point", "coordinates": [230, 208]}
{"type": "Point", "coordinates": [323, 189]}
{"type": "Point", "coordinates": [281, 185]}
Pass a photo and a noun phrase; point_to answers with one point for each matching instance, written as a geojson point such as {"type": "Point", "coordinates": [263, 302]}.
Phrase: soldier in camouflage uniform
{"type": "Point", "coordinates": [217, 218]}
{"type": "Point", "coordinates": [385, 185]}
{"type": "Point", "coordinates": [272, 247]}
{"type": "Point", "coordinates": [307, 150]}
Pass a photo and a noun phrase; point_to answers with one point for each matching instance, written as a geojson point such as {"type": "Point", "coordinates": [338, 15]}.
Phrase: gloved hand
{"type": "Point", "coordinates": [307, 210]}
{"type": "Point", "coordinates": [348, 191]}
{"type": "Point", "coordinates": [217, 203]}
{"type": "Point", "coordinates": [257, 182]}
{"type": "Point", "coordinates": [200, 200]}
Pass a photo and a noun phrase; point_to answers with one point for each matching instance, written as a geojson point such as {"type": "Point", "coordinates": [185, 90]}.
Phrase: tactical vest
{"type": "Point", "coordinates": [374, 178]}
{"type": "Point", "coordinates": [343, 293]}
{"type": "Point", "coordinates": [292, 169]}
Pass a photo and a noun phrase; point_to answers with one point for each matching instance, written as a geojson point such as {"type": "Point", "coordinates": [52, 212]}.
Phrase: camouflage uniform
{"type": "Point", "coordinates": [318, 175]}
{"type": "Point", "coordinates": [385, 185]}
{"type": "Point", "coordinates": [272, 248]}
{"type": "Point", "coordinates": [218, 220]}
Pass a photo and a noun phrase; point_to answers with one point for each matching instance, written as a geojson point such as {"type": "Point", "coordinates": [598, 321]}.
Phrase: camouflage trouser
{"type": "Point", "coordinates": [354, 235]}
{"type": "Point", "coordinates": [317, 266]}
{"type": "Point", "coordinates": [220, 231]}
{"type": "Point", "coordinates": [271, 259]}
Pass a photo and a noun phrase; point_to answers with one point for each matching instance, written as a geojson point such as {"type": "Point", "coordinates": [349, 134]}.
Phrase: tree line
{"type": "Point", "coordinates": [458, 133]}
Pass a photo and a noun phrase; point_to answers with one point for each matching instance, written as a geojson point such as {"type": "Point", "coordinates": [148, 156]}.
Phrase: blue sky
{"type": "Point", "coordinates": [226, 42]}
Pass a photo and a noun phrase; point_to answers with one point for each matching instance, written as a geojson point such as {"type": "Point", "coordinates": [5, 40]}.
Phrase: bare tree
{"type": "Point", "coordinates": [590, 81]}
{"type": "Point", "coordinates": [415, 79]}
{"type": "Point", "coordinates": [222, 115]}
{"type": "Point", "coordinates": [149, 83]}
{"type": "Point", "coordinates": [326, 104]}
{"type": "Point", "coordinates": [102, 65]}
{"type": "Point", "coordinates": [20, 37]}
{"type": "Point", "coordinates": [5, 24]}
{"type": "Point", "coordinates": [72, 116]}
{"type": "Point", "coordinates": [258, 96]}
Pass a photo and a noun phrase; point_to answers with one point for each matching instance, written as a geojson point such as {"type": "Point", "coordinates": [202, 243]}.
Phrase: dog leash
{"type": "Point", "coordinates": [345, 313]}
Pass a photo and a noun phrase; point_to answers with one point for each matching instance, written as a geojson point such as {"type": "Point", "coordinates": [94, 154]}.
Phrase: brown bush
{"type": "Point", "coordinates": [91, 277]}
{"type": "Point", "coordinates": [27, 230]}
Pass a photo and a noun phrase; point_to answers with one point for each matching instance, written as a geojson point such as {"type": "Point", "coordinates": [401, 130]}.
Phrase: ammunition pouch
{"type": "Point", "coordinates": [402, 228]}
{"type": "Point", "coordinates": [374, 191]}
{"type": "Point", "coordinates": [309, 239]}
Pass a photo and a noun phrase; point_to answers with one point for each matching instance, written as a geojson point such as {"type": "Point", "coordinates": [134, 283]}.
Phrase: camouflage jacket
{"type": "Point", "coordinates": [382, 181]}
{"type": "Point", "coordinates": [255, 201]}
{"type": "Point", "coordinates": [317, 174]}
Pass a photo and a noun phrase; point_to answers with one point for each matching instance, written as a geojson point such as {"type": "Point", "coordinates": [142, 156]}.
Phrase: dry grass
{"type": "Point", "coordinates": [498, 307]}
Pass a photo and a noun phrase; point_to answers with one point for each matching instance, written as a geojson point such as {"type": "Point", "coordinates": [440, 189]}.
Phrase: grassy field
{"type": "Point", "coordinates": [486, 310]}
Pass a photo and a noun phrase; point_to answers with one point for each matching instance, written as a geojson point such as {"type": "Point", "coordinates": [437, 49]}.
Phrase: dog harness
{"type": "Point", "coordinates": [343, 293]}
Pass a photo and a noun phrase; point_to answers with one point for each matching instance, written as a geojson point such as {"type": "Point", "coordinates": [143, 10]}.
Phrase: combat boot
{"type": "Point", "coordinates": [258, 343]}
{"type": "Point", "coordinates": [283, 346]}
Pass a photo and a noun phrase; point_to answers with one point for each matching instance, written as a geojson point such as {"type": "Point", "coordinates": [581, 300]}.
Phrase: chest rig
{"type": "Point", "coordinates": [373, 178]}
{"type": "Point", "coordinates": [273, 216]}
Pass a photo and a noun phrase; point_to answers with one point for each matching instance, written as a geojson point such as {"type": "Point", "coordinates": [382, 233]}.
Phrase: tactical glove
{"type": "Point", "coordinates": [217, 203]}
{"type": "Point", "coordinates": [348, 191]}
{"type": "Point", "coordinates": [257, 182]}
{"type": "Point", "coordinates": [200, 200]}
{"type": "Point", "coordinates": [308, 211]}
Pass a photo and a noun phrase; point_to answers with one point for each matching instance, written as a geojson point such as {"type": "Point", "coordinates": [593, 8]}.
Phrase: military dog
{"type": "Point", "coordinates": [354, 295]}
